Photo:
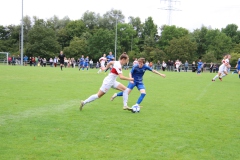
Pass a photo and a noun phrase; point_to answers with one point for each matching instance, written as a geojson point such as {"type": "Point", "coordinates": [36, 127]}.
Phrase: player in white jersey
{"type": "Point", "coordinates": [223, 69]}
{"type": "Point", "coordinates": [102, 61]}
{"type": "Point", "coordinates": [177, 63]}
{"type": "Point", "coordinates": [135, 62]}
{"type": "Point", "coordinates": [110, 82]}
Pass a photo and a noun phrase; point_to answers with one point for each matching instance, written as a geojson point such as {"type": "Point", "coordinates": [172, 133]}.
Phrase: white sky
{"type": "Point", "coordinates": [193, 14]}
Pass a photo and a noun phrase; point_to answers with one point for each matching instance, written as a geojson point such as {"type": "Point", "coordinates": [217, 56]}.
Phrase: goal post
{"type": "Point", "coordinates": [2, 58]}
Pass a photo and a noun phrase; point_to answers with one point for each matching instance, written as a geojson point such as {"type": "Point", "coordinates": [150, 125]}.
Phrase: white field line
{"type": "Point", "coordinates": [204, 90]}
{"type": "Point", "coordinates": [40, 111]}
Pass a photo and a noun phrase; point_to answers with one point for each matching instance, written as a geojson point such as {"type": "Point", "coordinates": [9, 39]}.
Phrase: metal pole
{"type": "Point", "coordinates": [7, 58]}
{"type": "Point", "coordinates": [116, 39]}
{"type": "Point", "coordinates": [22, 37]}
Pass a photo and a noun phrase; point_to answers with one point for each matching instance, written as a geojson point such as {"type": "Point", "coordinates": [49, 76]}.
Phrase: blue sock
{"type": "Point", "coordinates": [120, 94]}
{"type": "Point", "coordinates": [141, 98]}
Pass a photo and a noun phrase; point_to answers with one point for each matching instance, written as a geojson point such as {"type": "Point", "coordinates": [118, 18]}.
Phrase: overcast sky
{"type": "Point", "coordinates": [192, 15]}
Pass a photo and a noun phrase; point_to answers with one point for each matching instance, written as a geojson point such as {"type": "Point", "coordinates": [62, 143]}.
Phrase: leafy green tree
{"type": "Point", "coordinates": [209, 57]}
{"type": "Point", "coordinates": [101, 42]}
{"type": "Point", "coordinates": [137, 25]}
{"type": "Point", "coordinates": [125, 37]}
{"type": "Point", "coordinates": [63, 38]}
{"type": "Point", "coordinates": [149, 34]}
{"type": "Point", "coordinates": [182, 48]}
{"type": "Point", "coordinates": [234, 59]}
{"type": "Point", "coordinates": [218, 43]}
{"type": "Point", "coordinates": [9, 39]}
{"type": "Point", "coordinates": [109, 19]}
{"type": "Point", "coordinates": [57, 24]}
{"type": "Point", "coordinates": [91, 19]}
{"type": "Point", "coordinates": [200, 37]}
{"type": "Point", "coordinates": [236, 48]}
{"type": "Point", "coordinates": [76, 48]}
{"type": "Point", "coordinates": [231, 31]}
{"type": "Point", "coordinates": [170, 32]}
{"type": "Point", "coordinates": [75, 28]}
{"type": "Point", "coordinates": [42, 41]}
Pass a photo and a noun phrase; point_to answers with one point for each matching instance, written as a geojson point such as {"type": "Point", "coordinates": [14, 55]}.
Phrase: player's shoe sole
{"type": "Point", "coordinates": [127, 108]}
{"type": "Point", "coordinates": [114, 96]}
{"type": "Point", "coordinates": [81, 105]}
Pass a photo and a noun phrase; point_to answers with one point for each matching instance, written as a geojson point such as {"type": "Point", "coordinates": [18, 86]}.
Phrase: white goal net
{"type": "Point", "coordinates": [4, 58]}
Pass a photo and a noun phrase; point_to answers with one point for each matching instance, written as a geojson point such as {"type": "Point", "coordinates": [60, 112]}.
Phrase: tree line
{"type": "Point", "coordinates": [93, 34]}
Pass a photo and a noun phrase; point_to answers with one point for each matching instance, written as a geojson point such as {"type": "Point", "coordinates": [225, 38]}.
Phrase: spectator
{"type": "Point", "coordinates": [44, 62]}
{"type": "Point", "coordinates": [97, 65]}
{"type": "Point", "coordinates": [164, 65]}
{"type": "Point", "coordinates": [51, 62]}
{"type": "Point", "coordinates": [55, 61]}
{"type": "Point", "coordinates": [168, 65]}
{"type": "Point", "coordinates": [13, 60]}
{"type": "Point", "coordinates": [193, 66]}
{"type": "Point", "coordinates": [91, 64]}
{"type": "Point", "coordinates": [25, 59]}
{"type": "Point", "coordinates": [158, 65]}
{"type": "Point", "coordinates": [171, 65]}
{"type": "Point", "coordinates": [9, 60]}
{"type": "Point", "coordinates": [151, 65]}
{"type": "Point", "coordinates": [186, 66]}
{"type": "Point", "coordinates": [211, 67]}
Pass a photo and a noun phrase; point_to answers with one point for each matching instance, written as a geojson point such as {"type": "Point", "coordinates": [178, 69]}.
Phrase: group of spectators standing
{"type": "Point", "coordinates": [170, 65]}
{"type": "Point", "coordinates": [178, 66]}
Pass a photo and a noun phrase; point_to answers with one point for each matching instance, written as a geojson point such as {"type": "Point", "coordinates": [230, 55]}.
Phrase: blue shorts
{"type": "Point", "coordinates": [139, 85]}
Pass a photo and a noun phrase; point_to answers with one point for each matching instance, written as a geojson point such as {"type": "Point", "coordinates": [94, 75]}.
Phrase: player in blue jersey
{"type": "Point", "coordinates": [200, 65]}
{"type": "Point", "coordinates": [110, 58]}
{"type": "Point", "coordinates": [238, 67]}
{"type": "Point", "coordinates": [86, 62]}
{"type": "Point", "coordinates": [137, 73]}
{"type": "Point", "coordinates": [81, 63]}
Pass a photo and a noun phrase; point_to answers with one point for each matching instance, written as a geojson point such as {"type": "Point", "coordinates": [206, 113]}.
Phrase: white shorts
{"type": "Point", "coordinates": [222, 68]}
{"type": "Point", "coordinates": [102, 64]}
{"type": "Point", "coordinates": [106, 86]}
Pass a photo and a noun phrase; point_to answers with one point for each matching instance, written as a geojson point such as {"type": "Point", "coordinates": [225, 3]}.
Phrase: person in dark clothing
{"type": "Point", "coordinates": [61, 57]}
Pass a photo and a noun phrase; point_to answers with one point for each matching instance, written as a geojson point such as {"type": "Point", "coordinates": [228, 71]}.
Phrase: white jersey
{"type": "Point", "coordinates": [223, 66]}
{"type": "Point", "coordinates": [135, 62]}
{"type": "Point", "coordinates": [102, 61]}
{"type": "Point", "coordinates": [177, 64]}
{"type": "Point", "coordinates": [110, 80]}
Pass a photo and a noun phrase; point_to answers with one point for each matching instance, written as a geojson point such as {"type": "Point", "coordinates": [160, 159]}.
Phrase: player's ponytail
{"type": "Point", "coordinates": [123, 56]}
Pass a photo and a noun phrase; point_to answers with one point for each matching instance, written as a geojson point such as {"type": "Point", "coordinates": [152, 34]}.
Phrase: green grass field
{"type": "Point", "coordinates": [184, 117]}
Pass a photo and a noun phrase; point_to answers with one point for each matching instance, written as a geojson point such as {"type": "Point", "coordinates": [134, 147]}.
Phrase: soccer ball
{"type": "Point", "coordinates": [135, 109]}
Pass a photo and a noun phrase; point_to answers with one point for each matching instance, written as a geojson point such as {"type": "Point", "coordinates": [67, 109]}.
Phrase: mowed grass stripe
{"type": "Point", "coordinates": [38, 111]}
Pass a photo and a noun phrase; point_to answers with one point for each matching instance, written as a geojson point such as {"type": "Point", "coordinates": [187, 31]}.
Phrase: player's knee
{"type": "Point", "coordinates": [143, 94]}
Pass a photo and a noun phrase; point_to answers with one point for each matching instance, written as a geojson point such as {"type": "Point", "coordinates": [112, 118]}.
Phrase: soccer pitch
{"type": "Point", "coordinates": [184, 116]}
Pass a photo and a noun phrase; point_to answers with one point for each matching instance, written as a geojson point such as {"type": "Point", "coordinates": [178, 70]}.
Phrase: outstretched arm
{"type": "Point", "coordinates": [121, 76]}
{"type": "Point", "coordinates": [160, 74]}
{"type": "Point", "coordinates": [109, 64]}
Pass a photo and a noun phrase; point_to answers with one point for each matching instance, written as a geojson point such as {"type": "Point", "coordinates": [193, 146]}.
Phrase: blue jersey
{"type": "Point", "coordinates": [238, 65]}
{"type": "Point", "coordinates": [200, 65]}
{"type": "Point", "coordinates": [110, 58]}
{"type": "Point", "coordinates": [81, 61]}
{"type": "Point", "coordinates": [86, 62]}
{"type": "Point", "coordinates": [137, 73]}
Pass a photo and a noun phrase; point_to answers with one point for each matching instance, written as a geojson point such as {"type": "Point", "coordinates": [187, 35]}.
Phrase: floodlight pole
{"type": "Point", "coordinates": [22, 37]}
{"type": "Point", "coordinates": [116, 39]}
